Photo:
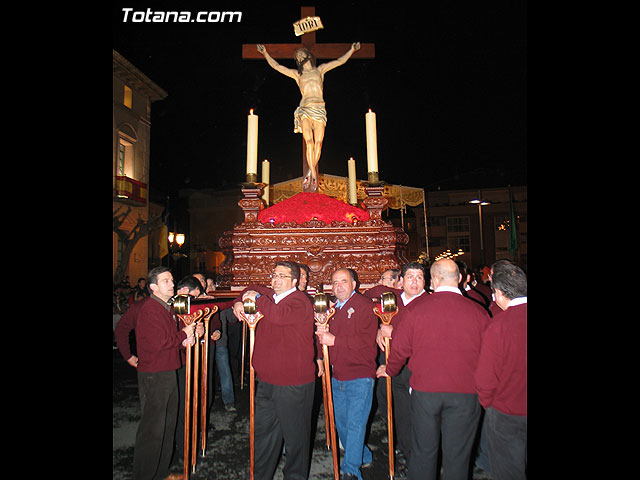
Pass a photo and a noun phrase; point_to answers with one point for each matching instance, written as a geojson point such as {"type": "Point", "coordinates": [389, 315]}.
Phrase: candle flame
{"type": "Point", "coordinates": [369, 110]}
{"type": "Point", "coordinates": [251, 111]}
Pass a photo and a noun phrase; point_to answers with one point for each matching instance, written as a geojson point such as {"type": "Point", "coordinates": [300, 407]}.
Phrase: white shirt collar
{"type": "Point", "coordinates": [517, 301]}
{"type": "Point", "coordinates": [277, 297]}
{"type": "Point", "coordinates": [445, 288]}
{"type": "Point", "coordinates": [404, 298]}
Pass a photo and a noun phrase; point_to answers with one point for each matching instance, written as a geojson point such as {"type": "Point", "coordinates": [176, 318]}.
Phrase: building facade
{"type": "Point", "coordinates": [133, 93]}
{"type": "Point", "coordinates": [480, 232]}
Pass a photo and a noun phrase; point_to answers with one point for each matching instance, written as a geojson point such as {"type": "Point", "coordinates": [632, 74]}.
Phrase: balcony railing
{"type": "Point", "coordinates": [128, 189]}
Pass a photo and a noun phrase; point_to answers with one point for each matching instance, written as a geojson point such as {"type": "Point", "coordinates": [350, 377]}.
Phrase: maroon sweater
{"type": "Point", "coordinates": [501, 375]}
{"type": "Point", "coordinates": [441, 336]}
{"type": "Point", "coordinates": [376, 291]}
{"type": "Point", "coordinates": [126, 323]}
{"type": "Point", "coordinates": [494, 309]}
{"type": "Point", "coordinates": [354, 352]}
{"type": "Point", "coordinates": [158, 338]}
{"type": "Point", "coordinates": [284, 352]}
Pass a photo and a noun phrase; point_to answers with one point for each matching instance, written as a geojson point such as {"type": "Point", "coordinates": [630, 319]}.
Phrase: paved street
{"type": "Point", "coordinates": [227, 453]}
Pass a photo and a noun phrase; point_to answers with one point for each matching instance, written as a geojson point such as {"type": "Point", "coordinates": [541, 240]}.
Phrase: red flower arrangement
{"type": "Point", "coordinates": [305, 206]}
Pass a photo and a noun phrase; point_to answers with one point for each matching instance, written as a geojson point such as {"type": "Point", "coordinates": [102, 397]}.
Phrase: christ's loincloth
{"type": "Point", "coordinates": [313, 111]}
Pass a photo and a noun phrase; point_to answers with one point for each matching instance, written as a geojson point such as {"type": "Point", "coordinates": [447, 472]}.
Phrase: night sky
{"type": "Point", "coordinates": [448, 85]}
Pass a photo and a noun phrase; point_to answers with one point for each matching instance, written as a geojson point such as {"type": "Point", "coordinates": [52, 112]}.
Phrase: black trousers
{"type": "Point", "coordinates": [283, 413]}
{"type": "Point", "coordinates": [455, 417]}
{"type": "Point", "coordinates": [155, 436]}
{"type": "Point", "coordinates": [402, 411]}
{"type": "Point", "coordinates": [507, 444]}
{"type": "Point", "coordinates": [179, 436]}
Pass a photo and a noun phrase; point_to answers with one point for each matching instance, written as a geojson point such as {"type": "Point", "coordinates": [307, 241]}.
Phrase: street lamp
{"type": "Point", "coordinates": [176, 238]}
{"type": "Point", "coordinates": [481, 203]}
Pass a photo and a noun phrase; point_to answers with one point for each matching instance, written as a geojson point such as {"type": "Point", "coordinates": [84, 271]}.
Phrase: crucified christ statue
{"type": "Point", "coordinates": [310, 118]}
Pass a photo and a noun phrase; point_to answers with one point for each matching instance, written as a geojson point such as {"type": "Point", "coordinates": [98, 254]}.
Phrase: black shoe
{"type": "Point", "coordinates": [349, 476]}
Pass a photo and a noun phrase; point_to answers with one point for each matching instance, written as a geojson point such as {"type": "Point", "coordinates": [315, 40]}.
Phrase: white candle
{"type": "Point", "coordinates": [252, 143]}
{"type": "Point", "coordinates": [353, 194]}
{"type": "Point", "coordinates": [372, 142]}
{"type": "Point", "coordinates": [265, 180]}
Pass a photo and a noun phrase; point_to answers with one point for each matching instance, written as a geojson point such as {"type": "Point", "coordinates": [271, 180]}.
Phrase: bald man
{"type": "Point", "coordinates": [440, 336]}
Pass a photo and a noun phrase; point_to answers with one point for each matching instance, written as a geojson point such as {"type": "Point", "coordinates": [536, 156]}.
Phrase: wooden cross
{"type": "Point", "coordinates": [319, 50]}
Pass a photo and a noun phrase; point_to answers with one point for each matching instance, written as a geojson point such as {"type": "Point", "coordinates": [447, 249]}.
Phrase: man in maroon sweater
{"type": "Point", "coordinates": [283, 359]}
{"type": "Point", "coordinates": [351, 338]}
{"type": "Point", "coordinates": [388, 282]}
{"type": "Point", "coordinates": [440, 336]}
{"type": "Point", "coordinates": [413, 283]}
{"type": "Point", "coordinates": [158, 341]}
{"type": "Point", "coordinates": [501, 375]}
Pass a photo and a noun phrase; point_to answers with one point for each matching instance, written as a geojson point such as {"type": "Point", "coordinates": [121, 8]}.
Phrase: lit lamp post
{"type": "Point", "coordinates": [481, 203]}
{"type": "Point", "coordinates": [176, 240]}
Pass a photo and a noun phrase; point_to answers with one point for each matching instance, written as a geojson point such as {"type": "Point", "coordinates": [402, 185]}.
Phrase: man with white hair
{"type": "Point", "coordinates": [501, 375]}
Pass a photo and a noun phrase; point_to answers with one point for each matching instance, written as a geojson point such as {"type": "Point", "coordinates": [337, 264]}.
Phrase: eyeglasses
{"type": "Point", "coordinates": [279, 275]}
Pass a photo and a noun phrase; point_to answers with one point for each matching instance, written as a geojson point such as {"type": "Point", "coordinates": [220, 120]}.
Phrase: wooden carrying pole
{"type": "Point", "coordinates": [389, 414]}
{"type": "Point", "coordinates": [205, 379]}
{"type": "Point", "coordinates": [322, 314]}
{"type": "Point", "coordinates": [244, 343]}
{"type": "Point", "coordinates": [194, 382]}
{"type": "Point", "coordinates": [326, 410]}
{"type": "Point", "coordinates": [251, 317]}
{"type": "Point", "coordinates": [187, 413]}
{"type": "Point", "coordinates": [188, 319]}
{"type": "Point", "coordinates": [388, 308]}
{"type": "Point", "coordinates": [194, 416]}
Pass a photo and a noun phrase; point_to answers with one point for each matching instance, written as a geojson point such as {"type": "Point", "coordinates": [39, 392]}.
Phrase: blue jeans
{"type": "Point", "coordinates": [224, 370]}
{"type": "Point", "coordinates": [351, 406]}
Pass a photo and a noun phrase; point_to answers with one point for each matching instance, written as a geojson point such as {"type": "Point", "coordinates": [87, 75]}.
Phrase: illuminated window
{"type": "Point", "coordinates": [121, 158]}
{"type": "Point", "coordinates": [125, 158]}
{"type": "Point", "coordinates": [127, 139]}
{"type": "Point", "coordinates": [127, 96]}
